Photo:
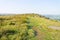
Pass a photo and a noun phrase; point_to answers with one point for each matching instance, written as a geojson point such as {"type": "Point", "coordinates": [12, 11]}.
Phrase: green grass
{"type": "Point", "coordinates": [28, 27]}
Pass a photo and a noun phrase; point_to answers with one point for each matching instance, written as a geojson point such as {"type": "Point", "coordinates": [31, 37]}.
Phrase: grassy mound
{"type": "Point", "coordinates": [28, 27]}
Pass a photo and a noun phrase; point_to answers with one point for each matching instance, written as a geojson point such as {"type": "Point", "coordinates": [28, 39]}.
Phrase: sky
{"type": "Point", "coordinates": [50, 7]}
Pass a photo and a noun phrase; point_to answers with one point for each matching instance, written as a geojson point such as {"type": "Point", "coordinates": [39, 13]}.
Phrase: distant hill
{"type": "Point", "coordinates": [56, 17]}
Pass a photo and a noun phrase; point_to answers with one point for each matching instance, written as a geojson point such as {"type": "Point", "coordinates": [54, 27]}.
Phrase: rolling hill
{"type": "Point", "coordinates": [28, 27]}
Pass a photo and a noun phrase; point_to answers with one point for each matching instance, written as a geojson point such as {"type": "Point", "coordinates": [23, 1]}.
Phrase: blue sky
{"type": "Point", "coordinates": [30, 6]}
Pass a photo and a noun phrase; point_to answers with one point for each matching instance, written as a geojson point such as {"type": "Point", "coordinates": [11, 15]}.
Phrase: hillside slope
{"type": "Point", "coordinates": [28, 27]}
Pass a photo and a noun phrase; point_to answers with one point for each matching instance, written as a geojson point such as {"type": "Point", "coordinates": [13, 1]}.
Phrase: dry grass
{"type": "Point", "coordinates": [28, 27]}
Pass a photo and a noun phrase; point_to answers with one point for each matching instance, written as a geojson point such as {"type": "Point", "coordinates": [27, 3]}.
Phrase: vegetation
{"type": "Point", "coordinates": [28, 27]}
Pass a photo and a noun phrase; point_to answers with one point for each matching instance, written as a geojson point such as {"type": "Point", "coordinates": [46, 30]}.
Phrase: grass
{"type": "Point", "coordinates": [28, 27]}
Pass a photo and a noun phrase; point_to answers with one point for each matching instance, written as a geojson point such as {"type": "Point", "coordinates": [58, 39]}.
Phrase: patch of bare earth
{"type": "Point", "coordinates": [39, 35]}
{"type": "Point", "coordinates": [54, 27]}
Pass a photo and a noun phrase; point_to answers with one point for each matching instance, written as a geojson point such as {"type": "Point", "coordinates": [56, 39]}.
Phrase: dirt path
{"type": "Point", "coordinates": [54, 27]}
{"type": "Point", "coordinates": [39, 35]}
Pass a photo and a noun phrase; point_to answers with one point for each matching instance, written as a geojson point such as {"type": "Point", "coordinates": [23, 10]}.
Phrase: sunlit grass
{"type": "Point", "coordinates": [28, 27]}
